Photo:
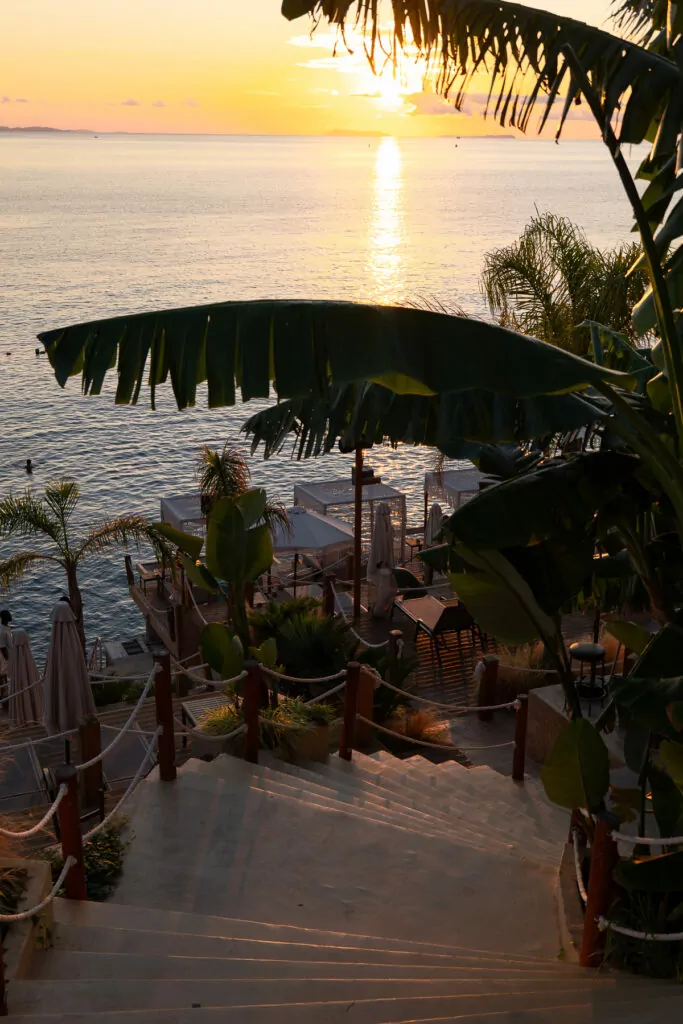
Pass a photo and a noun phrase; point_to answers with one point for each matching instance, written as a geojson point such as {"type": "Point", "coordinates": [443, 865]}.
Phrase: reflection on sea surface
{"type": "Point", "coordinates": [387, 232]}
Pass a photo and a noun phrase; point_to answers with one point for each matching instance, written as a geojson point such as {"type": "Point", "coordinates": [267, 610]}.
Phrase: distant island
{"type": "Point", "coordinates": [371, 134]}
{"type": "Point", "coordinates": [42, 128]}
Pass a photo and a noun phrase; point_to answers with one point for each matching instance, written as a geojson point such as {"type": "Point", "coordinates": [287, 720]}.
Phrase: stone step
{"type": "Point", "coordinates": [498, 819]}
{"type": "Point", "coordinates": [329, 870]}
{"type": "Point", "coordinates": [363, 998]}
{"type": "Point", "coordinates": [88, 963]}
{"type": "Point", "coordinates": [260, 939]}
{"type": "Point", "coordinates": [495, 788]}
{"type": "Point", "coordinates": [404, 798]}
{"type": "Point", "coordinates": [347, 798]}
{"type": "Point", "coordinates": [530, 795]}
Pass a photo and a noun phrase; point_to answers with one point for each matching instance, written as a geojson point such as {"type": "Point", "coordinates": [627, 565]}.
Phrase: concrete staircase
{"type": "Point", "coordinates": [377, 892]}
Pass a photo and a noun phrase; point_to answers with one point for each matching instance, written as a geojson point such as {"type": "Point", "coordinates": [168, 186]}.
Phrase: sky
{"type": "Point", "coordinates": [213, 66]}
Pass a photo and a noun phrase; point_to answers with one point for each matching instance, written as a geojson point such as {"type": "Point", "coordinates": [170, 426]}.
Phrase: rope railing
{"type": "Point", "coordinates": [328, 693]}
{"type": "Point", "coordinates": [36, 741]}
{"type": "Point", "coordinates": [361, 639]}
{"type": "Point", "coordinates": [645, 841]}
{"type": "Point", "coordinates": [18, 693]}
{"type": "Point", "coordinates": [196, 606]}
{"type": "Point", "coordinates": [122, 732]}
{"type": "Point", "coordinates": [47, 817]}
{"type": "Point", "coordinates": [465, 708]}
{"type": "Point", "coordinates": [112, 677]}
{"type": "Point", "coordinates": [133, 783]}
{"type": "Point", "coordinates": [301, 679]}
{"type": "Point", "coordinates": [577, 867]}
{"type": "Point", "coordinates": [25, 914]}
{"type": "Point", "coordinates": [191, 674]}
{"type": "Point", "coordinates": [605, 925]}
{"type": "Point", "coordinates": [427, 743]}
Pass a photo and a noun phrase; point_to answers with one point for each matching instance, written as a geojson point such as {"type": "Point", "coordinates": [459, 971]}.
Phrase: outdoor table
{"type": "Point", "coordinates": [423, 611]}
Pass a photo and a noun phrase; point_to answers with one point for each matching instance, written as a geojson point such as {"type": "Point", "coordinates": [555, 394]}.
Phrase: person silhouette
{"type": "Point", "coordinates": [29, 466]}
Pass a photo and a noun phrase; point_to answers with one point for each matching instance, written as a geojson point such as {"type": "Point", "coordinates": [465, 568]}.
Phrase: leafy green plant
{"type": "Point", "coordinates": [103, 859]}
{"type": "Point", "coordinates": [386, 702]}
{"type": "Point", "coordinates": [310, 646]}
{"type": "Point", "coordinates": [267, 621]}
{"type": "Point", "coordinates": [226, 474]}
{"type": "Point", "coordinates": [288, 716]}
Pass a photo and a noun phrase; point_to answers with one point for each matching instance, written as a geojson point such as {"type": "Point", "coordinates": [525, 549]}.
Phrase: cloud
{"type": "Point", "coordinates": [345, 63]}
{"type": "Point", "coordinates": [130, 103]}
{"type": "Point", "coordinates": [191, 103]}
{"type": "Point", "coordinates": [158, 103]}
{"type": "Point", "coordinates": [20, 99]}
{"type": "Point", "coordinates": [430, 104]}
{"type": "Point", "coordinates": [324, 41]}
{"type": "Point", "coordinates": [5, 99]}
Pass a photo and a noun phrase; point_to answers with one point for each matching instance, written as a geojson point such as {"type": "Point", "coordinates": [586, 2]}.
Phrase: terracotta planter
{"type": "Point", "coordinates": [311, 744]}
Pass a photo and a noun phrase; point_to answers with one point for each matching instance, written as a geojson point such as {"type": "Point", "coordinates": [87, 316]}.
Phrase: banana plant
{"type": "Point", "coordinates": [238, 550]}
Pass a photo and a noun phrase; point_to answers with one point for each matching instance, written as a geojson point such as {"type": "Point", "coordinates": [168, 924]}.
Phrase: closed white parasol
{"type": "Point", "coordinates": [26, 691]}
{"type": "Point", "coordinates": [434, 524]}
{"type": "Point", "coordinates": [68, 697]}
{"type": "Point", "coordinates": [382, 544]}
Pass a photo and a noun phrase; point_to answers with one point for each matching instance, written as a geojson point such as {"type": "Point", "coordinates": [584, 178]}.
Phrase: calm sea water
{"type": "Point", "coordinates": [96, 226]}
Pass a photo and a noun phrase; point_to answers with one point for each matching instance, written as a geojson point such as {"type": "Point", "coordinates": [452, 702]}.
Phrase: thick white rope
{"type": "Point", "coordinates": [214, 682]}
{"type": "Point", "coordinates": [190, 731]}
{"type": "Point", "coordinates": [48, 816]}
{"type": "Point", "coordinates": [205, 621]}
{"type": "Point", "coordinates": [426, 743]}
{"type": "Point", "coordinates": [450, 707]}
{"type": "Point", "coordinates": [326, 694]}
{"type": "Point", "coordinates": [19, 692]}
{"type": "Point", "coordinates": [298, 679]}
{"type": "Point", "coordinates": [577, 866]}
{"type": "Point", "coordinates": [643, 841]}
{"type": "Point", "coordinates": [105, 677]}
{"type": "Point", "coordinates": [133, 715]}
{"type": "Point", "coordinates": [35, 742]}
{"type": "Point", "coordinates": [362, 640]}
{"type": "Point", "coordinates": [68, 864]}
{"type": "Point", "coordinates": [134, 781]}
{"type": "Point", "coordinates": [604, 925]}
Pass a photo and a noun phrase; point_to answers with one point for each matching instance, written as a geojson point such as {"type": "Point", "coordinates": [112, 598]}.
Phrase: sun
{"type": "Point", "coordinates": [390, 94]}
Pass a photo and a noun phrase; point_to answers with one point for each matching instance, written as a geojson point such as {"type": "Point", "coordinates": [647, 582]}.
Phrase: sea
{"type": "Point", "coordinates": [98, 225]}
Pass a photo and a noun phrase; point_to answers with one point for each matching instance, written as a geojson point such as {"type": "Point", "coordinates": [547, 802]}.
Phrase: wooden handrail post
{"type": "Point", "coordinates": [328, 594]}
{"type": "Point", "coordinates": [365, 706]}
{"type": "Point", "coordinates": [350, 707]}
{"type": "Point", "coordinates": [487, 686]}
{"type": "Point", "coordinates": [395, 636]}
{"type": "Point", "coordinates": [70, 832]}
{"type": "Point", "coordinates": [519, 749]}
{"type": "Point", "coordinates": [4, 1011]}
{"type": "Point", "coordinates": [90, 744]}
{"type": "Point", "coordinates": [251, 705]}
{"type": "Point", "coordinates": [163, 698]}
{"type": "Point", "coordinates": [130, 575]}
{"type": "Point", "coordinates": [604, 859]}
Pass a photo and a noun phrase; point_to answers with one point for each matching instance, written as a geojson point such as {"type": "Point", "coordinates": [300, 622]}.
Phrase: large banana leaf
{"type": "Point", "coordinates": [550, 500]}
{"type": "Point", "coordinates": [305, 348]}
{"type": "Point", "coordinates": [456, 423]}
{"type": "Point", "coordinates": [514, 44]}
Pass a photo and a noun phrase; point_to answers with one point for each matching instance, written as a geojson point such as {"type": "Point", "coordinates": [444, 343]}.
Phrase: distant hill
{"type": "Point", "coordinates": [41, 128]}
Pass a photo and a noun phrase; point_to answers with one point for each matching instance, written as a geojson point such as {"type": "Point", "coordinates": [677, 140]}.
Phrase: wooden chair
{"type": "Point", "coordinates": [454, 619]}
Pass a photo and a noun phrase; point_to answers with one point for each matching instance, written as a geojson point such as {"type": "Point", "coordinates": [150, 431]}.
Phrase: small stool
{"type": "Point", "coordinates": [415, 545]}
{"type": "Point", "coordinates": [588, 688]}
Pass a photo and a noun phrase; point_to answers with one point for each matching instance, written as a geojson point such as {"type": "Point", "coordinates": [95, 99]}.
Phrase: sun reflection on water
{"type": "Point", "coordinates": [386, 234]}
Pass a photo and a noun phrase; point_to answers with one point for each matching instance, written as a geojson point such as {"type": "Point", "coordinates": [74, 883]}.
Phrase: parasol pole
{"type": "Point", "coordinates": [296, 559]}
{"type": "Point", "coordinates": [358, 523]}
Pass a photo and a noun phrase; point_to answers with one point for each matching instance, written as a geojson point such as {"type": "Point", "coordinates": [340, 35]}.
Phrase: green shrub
{"type": "Point", "coordinates": [386, 702]}
{"type": "Point", "coordinates": [103, 861]}
{"type": "Point", "coordinates": [269, 620]}
{"type": "Point", "coordinates": [310, 646]}
{"type": "Point", "coordinates": [288, 716]}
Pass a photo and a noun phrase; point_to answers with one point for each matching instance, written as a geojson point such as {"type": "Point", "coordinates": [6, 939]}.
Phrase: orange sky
{"type": "Point", "coordinates": [210, 66]}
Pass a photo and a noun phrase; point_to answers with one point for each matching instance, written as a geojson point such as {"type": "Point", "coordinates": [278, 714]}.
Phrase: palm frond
{"type": "Point", "coordinates": [62, 497]}
{"type": "Point", "coordinates": [223, 474]}
{"type": "Point", "coordinates": [275, 514]}
{"type": "Point", "coordinates": [552, 279]}
{"type": "Point", "coordinates": [123, 531]}
{"type": "Point", "coordinates": [14, 567]}
{"type": "Point", "coordinates": [513, 44]}
{"type": "Point", "coordinates": [25, 516]}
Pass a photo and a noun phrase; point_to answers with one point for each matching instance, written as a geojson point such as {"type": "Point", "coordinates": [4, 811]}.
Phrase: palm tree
{"type": "Point", "coordinates": [49, 517]}
{"type": "Point", "coordinates": [226, 474]}
{"type": "Point", "coordinates": [552, 279]}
